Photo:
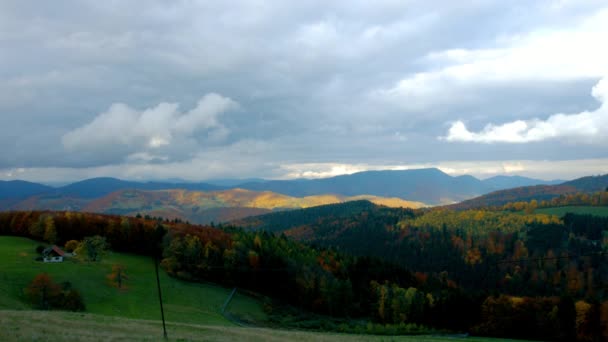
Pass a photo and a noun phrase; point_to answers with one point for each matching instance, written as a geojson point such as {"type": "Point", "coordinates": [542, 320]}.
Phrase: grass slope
{"type": "Point", "coordinates": [184, 302]}
{"type": "Point", "coordinates": [66, 326]}
{"type": "Point", "coordinates": [561, 211]}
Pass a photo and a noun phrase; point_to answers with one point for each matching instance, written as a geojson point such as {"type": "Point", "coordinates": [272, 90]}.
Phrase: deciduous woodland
{"type": "Point", "coordinates": [492, 273]}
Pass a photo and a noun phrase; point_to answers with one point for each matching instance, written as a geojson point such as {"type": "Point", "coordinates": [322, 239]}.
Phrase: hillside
{"type": "Point", "coordinates": [589, 183]}
{"type": "Point", "coordinates": [539, 192]}
{"type": "Point", "coordinates": [376, 270]}
{"type": "Point", "coordinates": [21, 189]}
{"type": "Point", "coordinates": [525, 194]}
{"type": "Point", "coordinates": [185, 302]}
{"type": "Point", "coordinates": [215, 206]}
{"type": "Point", "coordinates": [282, 221]}
{"type": "Point", "coordinates": [194, 206]}
{"type": "Point", "coordinates": [508, 182]}
{"type": "Point", "coordinates": [97, 187]}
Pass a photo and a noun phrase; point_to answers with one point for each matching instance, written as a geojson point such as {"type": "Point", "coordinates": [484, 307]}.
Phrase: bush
{"type": "Point", "coordinates": [71, 246]}
{"type": "Point", "coordinates": [43, 293]}
{"type": "Point", "coordinates": [72, 301]}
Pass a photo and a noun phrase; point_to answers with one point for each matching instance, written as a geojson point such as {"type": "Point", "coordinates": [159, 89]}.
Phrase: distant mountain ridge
{"type": "Point", "coordinates": [97, 187]}
{"type": "Point", "coordinates": [18, 189]}
{"type": "Point", "coordinates": [431, 186]}
{"type": "Point", "coordinates": [506, 182]}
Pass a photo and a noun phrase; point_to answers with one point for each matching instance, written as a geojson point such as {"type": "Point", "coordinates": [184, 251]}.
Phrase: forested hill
{"type": "Point", "coordinates": [521, 194]}
{"type": "Point", "coordinates": [525, 260]}
{"type": "Point", "coordinates": [98, 187]}
{"type": "Point", "coordinates": [18, 189]}
{"type": "Point", "coordinates": [589, 183]}
{"type": "Point", "coordinates": [539, 193]}
{"type": "Point", "coordinates": [464, 243]}
{"type": "Point", "coordinates": [281, 221]}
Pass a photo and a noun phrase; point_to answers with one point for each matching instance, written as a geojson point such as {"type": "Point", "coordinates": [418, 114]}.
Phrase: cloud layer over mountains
{"type": "Point", "coordinates": [253, 88]}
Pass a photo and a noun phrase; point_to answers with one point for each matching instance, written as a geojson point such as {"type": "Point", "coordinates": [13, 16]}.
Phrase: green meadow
{"type": "Point", "coordinates": [183, 301]}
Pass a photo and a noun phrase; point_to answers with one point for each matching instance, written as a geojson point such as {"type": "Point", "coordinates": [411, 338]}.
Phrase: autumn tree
{"type": "Point", "coordinates": [118, 276]}
{"type": "Point", "coordinates": [42, 292]}
{"type": "Point", "coordinates": [50, 232]}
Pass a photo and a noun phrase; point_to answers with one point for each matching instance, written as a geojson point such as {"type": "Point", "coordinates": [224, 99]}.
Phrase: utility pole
{"type": "Point", "coordinates": [160, 297]}
{"type": "Point", "coordinates": [159, 232]}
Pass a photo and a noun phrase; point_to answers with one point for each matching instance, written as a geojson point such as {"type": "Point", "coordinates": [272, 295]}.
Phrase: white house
{"type": "Point", "coordinates": [53, 254]}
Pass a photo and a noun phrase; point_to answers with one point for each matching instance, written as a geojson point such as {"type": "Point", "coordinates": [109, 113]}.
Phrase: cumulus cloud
{"type": "Point", "coordinates": [141, 133]}
{"type": "Point", "coordinates": [586, 126]}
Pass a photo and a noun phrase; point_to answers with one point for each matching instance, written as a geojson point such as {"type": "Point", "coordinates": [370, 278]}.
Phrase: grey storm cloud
{"type": "Point", "coordinates": [126, 85]}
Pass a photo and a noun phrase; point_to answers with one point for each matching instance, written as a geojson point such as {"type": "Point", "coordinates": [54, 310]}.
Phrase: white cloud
{"type": "Point", "coordinates": [139, 131]}
{"type": "Point", "coordinates": [571, 53]}
{"type": "Point", "coordinates": [589, 127]}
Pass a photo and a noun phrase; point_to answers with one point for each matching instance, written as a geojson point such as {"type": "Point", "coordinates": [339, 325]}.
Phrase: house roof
{"type": "Point", "coordinates": [58, 250]}
{"type": "Point", "coordinates": [55, 249]}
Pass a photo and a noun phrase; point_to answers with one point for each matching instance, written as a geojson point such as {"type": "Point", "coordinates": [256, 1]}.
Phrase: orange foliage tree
{"type": "Point", "coordinates": [118, 276]}
{"type": "Point", "coordinates": [42, 292]}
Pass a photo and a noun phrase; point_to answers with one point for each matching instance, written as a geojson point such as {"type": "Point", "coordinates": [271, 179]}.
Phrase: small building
{"type": "Point", "coordinates": [53, 254]}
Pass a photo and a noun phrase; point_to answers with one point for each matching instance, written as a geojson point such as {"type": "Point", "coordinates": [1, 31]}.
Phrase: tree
{"type": "Point", "coordinates": [92, 248]}
{"type": "Point", "coordinates": [567, 318]}
{"type": "Point", "coordinates": [50, 232]}
{"type": "Point", "coordinates": [71, 245]}
{"type": "Point", "coordinates": [118, 275]}
{"type": "Point", "coordinates": [42, 292]}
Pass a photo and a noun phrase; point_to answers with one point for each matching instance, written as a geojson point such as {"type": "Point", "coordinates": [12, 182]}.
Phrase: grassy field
{"type": "Point", "coordinates": [560, 211]}
{"type": "Point", "coordinates": [184, 302]}
{"type": "Point", "coordinates": [66, 326]}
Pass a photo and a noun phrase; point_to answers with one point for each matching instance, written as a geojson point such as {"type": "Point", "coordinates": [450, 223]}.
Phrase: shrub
{"type": "Point", "coordinates": [43, 293]}
{"type": "Point", "coordinates": [71, 246]}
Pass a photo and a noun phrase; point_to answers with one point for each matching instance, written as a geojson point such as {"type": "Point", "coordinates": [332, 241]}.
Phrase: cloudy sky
{"type": "Point", "coordinates": [198, 90]}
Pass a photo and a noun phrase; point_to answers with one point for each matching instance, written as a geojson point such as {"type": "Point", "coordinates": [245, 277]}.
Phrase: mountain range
{"type": "Point", "coordinates": [204, 202]}
{"type": "Point", "coordinates": [430, 186]}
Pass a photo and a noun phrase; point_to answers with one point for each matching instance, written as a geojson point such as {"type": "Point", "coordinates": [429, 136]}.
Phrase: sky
{"type": "Point", "coordinates": [199, 90]}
